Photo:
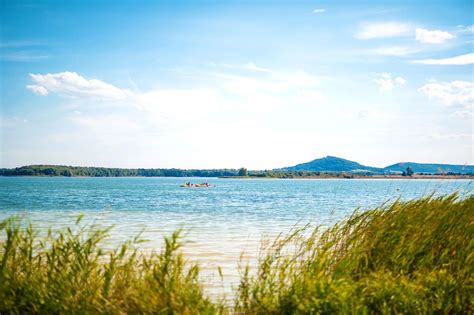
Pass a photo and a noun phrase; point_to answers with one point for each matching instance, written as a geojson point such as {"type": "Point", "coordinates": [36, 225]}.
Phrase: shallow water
{"type": "Point", "coordinates": [220, 222]}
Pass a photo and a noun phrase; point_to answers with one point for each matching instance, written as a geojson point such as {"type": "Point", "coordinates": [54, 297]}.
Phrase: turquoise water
{"type": "Point", "coordinates": [221, 222]}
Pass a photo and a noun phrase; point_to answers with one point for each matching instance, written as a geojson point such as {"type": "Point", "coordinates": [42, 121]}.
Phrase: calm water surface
{"type": "Point", "coordinates": [220, 222]}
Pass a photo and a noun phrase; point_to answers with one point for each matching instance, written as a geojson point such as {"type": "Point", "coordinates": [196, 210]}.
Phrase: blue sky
{"type": "Point", "coordinates": [210, 84]}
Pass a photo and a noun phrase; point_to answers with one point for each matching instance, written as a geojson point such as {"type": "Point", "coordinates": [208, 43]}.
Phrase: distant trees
{"type": "Point", "coordinates": [71, 171]}
{"type": "Point", "coordinates": [66, 173]}
{"type": "Point", "coordinates": [409, 172]}
{"type": "Point", "coordinates": [243, 172]}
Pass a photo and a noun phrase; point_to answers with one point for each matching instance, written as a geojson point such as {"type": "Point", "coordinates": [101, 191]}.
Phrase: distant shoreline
{"type": "Point", "coordinates": [375, 177]}
{"type": "Point", "coordinates": [79, 171]}
{"type": "Point", "coordinates": [358, 177]}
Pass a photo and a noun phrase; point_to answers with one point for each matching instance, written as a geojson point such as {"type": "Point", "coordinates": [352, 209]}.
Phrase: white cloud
{"type": "Point", "coordinates": [205, 116]}
{"type": "Point", "coordinates": [266, 91]}
{"type": "Point", "coordinates": [38, 89]}
{"type": "Point", "coordinates": [319, 10]}
{"type": "Point", "coordinates": [400, 81]}
{"type": "Point", "coordinates": [465, 113]}
{"type": "Point", "coordinates": [108, 124]}
{"type": "Point", "coordinates": [256, 89]}
{"type": "Point", "coordinates": [241, 89]}
{"type": "Point", "coordinates": [249, 66]}
{"type": "Point", "coordinates": [395, 51]}
{"type": "Point", "coordinates": [279, 80]}
{"type": "Point", "coordinates": [363, 114]}
{"type": "Point", "coordinates": [309, 96]}
{"type": "Point", "coordinates": [172, 106]}
{"type": "Point", "coordinates": [458, 60]}
{"type": "Point", "coordinates": [451, 93]}
{"type": "Point", "coordinates": [72, 84]}
{"type": "Point", "coordinates": [296, 79]}
{"type": "Point", "coordinates": [242, 84]}
{"type": "Point", "coordinates": [268, 81]}
{"type": "Point", "coordinates": [252, 67]}
{"type": "Point", "coordinates": [386, 83]}
{"type": "Point", "coordinates": [451, 136]}
{"type": "Point", "coordinates": [382, 30]}
{"type": "Point", "coordinates": [432, 37]}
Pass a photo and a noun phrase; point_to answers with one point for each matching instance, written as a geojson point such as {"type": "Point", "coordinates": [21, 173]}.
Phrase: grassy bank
{"type": "Point", "coordinates": [408, 257]}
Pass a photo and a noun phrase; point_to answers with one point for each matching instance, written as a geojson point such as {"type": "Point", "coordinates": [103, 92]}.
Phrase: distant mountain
{"type": "Point", "coordinates": [430, 168]}
{"type": "Point", "coordinates": [333, 164]}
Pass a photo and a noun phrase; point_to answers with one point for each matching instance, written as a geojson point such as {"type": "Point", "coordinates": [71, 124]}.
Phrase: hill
{"type": "Point", "coordinates": [430, 168]}
{"type": "Point", "coordinates": [336, 164]}
{"type": "Point", "coordinates": [333, 164]}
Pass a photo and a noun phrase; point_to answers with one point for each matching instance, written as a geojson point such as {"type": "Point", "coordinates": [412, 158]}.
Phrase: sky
{"type": "Point", "coordinates": [228, 84]}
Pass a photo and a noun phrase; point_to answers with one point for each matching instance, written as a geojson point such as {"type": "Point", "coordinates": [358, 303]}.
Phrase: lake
{"type": "Point", "coordinates": [220, 222]}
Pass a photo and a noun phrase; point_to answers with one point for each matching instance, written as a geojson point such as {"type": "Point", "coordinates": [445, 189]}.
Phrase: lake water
{"type": "Point", "coordinates": [220, 222]}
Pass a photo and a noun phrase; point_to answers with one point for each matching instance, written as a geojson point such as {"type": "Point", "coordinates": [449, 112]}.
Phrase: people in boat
{"type": "Point", "coordinates": [189, 184]}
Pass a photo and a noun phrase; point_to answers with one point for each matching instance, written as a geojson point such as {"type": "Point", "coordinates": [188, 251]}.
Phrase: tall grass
{"type": "Point", "coordinates": [68, 272]}
{"type": "Point", "coordinates": [407, 257]}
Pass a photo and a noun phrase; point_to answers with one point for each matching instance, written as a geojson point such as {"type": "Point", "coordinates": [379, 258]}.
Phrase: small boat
{"type": "Point", "coordinates": [189, 185]}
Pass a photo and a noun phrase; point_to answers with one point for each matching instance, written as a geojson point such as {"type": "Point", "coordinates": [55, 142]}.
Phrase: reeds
{"type": "Point", "coordinates": [407, 257]}
{"type": "Point", "coordinates": [68, 272]}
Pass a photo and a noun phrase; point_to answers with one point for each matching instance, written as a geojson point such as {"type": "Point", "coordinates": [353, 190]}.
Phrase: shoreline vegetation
{"type": "Point", "coordinates": [79, 171]}
{"type": "Point", "coordinates": [412, 257]}
{"type": "Point", "coordinates": [290, 175]}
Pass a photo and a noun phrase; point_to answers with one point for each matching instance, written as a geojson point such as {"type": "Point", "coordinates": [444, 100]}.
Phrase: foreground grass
{"type": "Point", "coordinates": [68, 272]}
{"type": "Point", "coordinates": [408, 257]}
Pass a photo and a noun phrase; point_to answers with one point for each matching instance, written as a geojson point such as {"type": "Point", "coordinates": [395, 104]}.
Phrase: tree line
{"type": "Point", "coordinates": [71, 171]}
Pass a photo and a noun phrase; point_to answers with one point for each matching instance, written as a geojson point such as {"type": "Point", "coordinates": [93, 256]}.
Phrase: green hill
{"type": "Point", "coordinates": [333, 164]}
{"type": "Point", "coordinates": [336, 164]}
